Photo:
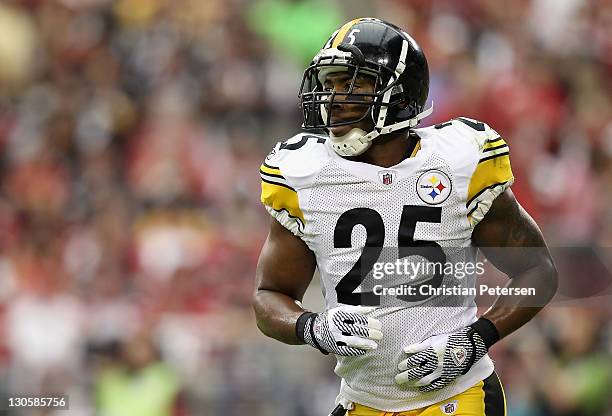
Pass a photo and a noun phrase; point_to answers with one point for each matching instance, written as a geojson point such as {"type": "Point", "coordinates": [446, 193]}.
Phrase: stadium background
{"type": "Point", "coordinates": [130, 136]}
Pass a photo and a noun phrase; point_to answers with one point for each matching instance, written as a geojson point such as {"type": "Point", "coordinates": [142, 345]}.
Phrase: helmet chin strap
{"type": "Point", "coordinates": [352, 143]}
{"type": "Point", "coordinates": [357, 141]}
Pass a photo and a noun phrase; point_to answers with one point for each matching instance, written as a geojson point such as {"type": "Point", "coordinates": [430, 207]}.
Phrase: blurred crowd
{"type": "Point", "coordinates": [130, 136]}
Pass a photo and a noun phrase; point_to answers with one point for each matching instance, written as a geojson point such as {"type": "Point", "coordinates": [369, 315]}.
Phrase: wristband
{"type": "Point", "coordinates": [300, 329]}
{"type": "Point", "coordinates": [487, 331]}
{"type": "Point", "coordinates": [301, 324]}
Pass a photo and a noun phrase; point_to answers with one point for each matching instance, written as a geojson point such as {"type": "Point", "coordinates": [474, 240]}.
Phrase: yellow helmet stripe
{"type": "Point", "coordinates": [343, 31]}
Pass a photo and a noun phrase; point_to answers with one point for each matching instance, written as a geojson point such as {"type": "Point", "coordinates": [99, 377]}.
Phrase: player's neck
{"type": "Point", "coordinates": [390, 150]}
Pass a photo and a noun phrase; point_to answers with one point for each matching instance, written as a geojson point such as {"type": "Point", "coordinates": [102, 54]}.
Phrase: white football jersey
{"type": "Point", "coordinates": [338, 206]}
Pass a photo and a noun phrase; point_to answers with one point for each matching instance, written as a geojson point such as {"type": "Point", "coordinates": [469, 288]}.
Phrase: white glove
{"type": "Point", "coordinates": [344, 330]}
{"type": "Point", "coordinates": [437, 361]}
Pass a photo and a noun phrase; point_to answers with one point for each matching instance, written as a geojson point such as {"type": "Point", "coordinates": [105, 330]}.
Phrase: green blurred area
{"type": "Point", "coordinates": [149, 391]}
{"type": "Point", "coordinates": [289, 26]}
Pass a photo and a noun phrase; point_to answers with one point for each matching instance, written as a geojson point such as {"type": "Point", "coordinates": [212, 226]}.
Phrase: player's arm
{"type": "Point", "coordinates": [513, 243]}
{"type": "Point", "coordinates": [284, 271]}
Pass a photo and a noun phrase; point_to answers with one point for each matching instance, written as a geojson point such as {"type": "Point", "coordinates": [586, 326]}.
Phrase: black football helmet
{"type": "Point", "coordinates": [378, 49]}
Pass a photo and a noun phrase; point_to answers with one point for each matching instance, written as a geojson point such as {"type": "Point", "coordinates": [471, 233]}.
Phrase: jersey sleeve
{"type": "Point", "coordinates": [492, 175]}
{"type": "Point", "coordinates": [288, 176]}
{"type": "Point", "coordinates": [278, 195]}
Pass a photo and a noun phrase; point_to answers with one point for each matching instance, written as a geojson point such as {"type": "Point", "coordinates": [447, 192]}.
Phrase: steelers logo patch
{"type": "Point", "coordinates": [434, 187]}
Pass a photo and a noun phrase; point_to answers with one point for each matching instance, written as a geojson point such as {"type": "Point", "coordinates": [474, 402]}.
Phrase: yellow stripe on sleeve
{"type": "Point", "coordinates": [270, 170]}
{"type": "Point", "coordinates": [489, 173]}
{"type": "Point", "coordinates": [494, 143]}
{"type": "Point", "coordinates": [281, 198]}
{"type": "Point", "coordinates": [342, 32]}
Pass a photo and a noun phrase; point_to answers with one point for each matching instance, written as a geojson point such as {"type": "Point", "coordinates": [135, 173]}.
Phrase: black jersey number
{"type": "Point", "coordinates": [375, 238]}
{"type": "Point", "coordinates": [297, 145]}
{"type": "Point", "coordinates": [476, 125]}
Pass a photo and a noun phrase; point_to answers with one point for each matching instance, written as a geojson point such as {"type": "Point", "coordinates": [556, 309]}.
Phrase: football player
{"type": "Point", "coordinates": [373, 181]}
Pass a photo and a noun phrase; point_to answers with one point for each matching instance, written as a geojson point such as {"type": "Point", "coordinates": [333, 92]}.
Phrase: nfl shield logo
{"type": "Point", "coordinates": [449, 408]}
{"type": "Point", "coordinates": [386, 176]}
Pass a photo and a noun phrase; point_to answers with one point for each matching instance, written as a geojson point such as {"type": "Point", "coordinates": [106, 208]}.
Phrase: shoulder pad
{"type": "Point", "coordinates": [291, 166]}
{"type": "Point", "coordinates": [480, 158]}
{"type": "Point", "coordinates": [461, 138]}
{"type": "Point", "coordinates": [480, 131]}
{"type": "Point", "coordinates": [299, 154]}
{"type": "Point", "coordinates": [299, 158]}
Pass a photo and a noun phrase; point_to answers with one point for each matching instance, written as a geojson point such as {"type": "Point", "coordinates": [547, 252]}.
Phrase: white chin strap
{"type": "Point", "coordinates": [357, 141]}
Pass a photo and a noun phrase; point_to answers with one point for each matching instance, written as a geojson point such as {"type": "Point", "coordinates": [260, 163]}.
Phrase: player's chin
{"type": "Point", "coordinates": [365, 125]}
{"type": "Point", "coordinates": [341, 130]}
